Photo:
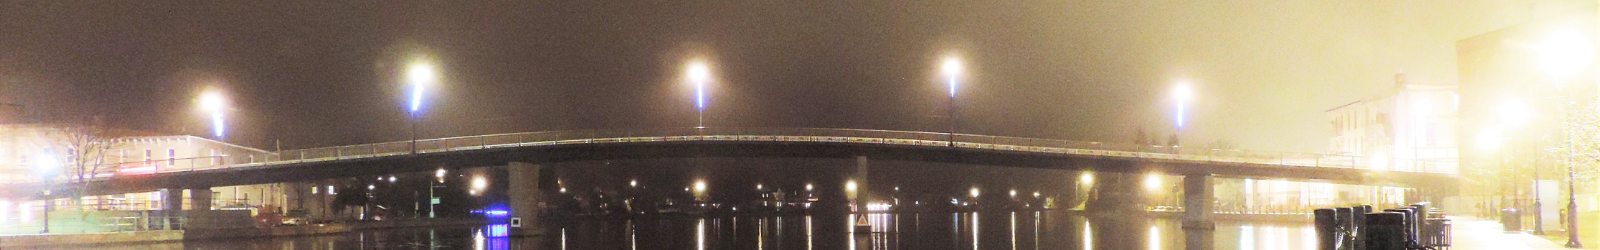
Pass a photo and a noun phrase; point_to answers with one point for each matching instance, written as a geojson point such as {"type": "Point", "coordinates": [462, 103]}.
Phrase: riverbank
{"type": "Point", "coordinates": [159, 236]}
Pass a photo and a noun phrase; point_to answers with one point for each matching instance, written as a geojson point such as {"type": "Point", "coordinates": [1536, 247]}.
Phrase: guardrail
{"type": "Point", "coordinates": [863, 136]}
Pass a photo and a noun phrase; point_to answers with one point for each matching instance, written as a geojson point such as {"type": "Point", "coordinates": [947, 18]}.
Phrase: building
{"type": "Point", "coordinates": [35, 152]}
{"type": "Point", "coordinates": [1410, 127]}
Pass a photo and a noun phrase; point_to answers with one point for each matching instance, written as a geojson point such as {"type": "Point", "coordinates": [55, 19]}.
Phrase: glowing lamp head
{"type": "Point", "coordinates": [421, 73]}
{"type": "Point", "coordinates": [633, 183]}
{"type": "Point", "coordinates": [699, 72]}
{"type": "Point", "coordinates": [973, 192]}
{"type": "Point", "coordinates": [1183, 92]}
{"type": "Point", "coordinates": [479, 183]}
{"type": "Point", "coordinates": [1152, 182]}
{"type": "Point", "coordinates": [850, 186]}
{"type": "Point", "coordinates": [1514, 112]}
{"type": "Point", "coordinates": [1013, 193]}
{"type": "Point", "coordinates": [1086, 178]}
{"type": "Point", "coordinates": [700, 186]}
{"type": "Point", "coordinates": [438, 173]}
{"type": "Point", "coordinates": [212, 101]}
{"type": "Point", "coordinates": [1565, 53]}
{"type": "Point", "coordinates": [809, 187]}
{"type": "Point", "coordinates": [951, 67]}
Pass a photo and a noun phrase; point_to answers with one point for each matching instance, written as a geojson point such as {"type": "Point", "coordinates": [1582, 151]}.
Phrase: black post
{"type": "Point", "coordinates": [1326, 225]}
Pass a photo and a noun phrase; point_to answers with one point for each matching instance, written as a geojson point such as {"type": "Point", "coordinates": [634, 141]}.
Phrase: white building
{"type": "Point", "coordinates": [1410, 127]}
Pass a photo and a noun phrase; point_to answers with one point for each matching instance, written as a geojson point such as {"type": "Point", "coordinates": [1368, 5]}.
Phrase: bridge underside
{"type": "Point", "coordinates": [546, 154]}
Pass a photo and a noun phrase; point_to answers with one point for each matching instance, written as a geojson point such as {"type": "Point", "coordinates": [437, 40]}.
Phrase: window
{"type": "Point", "coordinates": [147, 155]}
{"type": "Point", "coordinates": [213, 156]}
{"type": "Point", "coordinates": [172, 157]}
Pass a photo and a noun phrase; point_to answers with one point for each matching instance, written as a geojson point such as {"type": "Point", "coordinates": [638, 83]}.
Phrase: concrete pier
{"type": "Point", "coordinates": [524, 198]}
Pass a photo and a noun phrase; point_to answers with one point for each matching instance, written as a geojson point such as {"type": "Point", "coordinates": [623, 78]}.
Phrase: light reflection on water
{"type": "Point", "coordinates": [1050, 230]}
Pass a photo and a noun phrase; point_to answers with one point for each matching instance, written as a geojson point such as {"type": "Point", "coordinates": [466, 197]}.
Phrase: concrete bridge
{"type": "Point", "coordinates": [522, 153]}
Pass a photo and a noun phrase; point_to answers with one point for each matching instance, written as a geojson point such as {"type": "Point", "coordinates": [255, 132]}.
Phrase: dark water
{"type": "Point", "coordinates": [1003, 230]}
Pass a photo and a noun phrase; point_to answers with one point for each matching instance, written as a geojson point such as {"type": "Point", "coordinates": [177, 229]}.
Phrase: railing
{"type": "Point", "coordinates": [861, 136]}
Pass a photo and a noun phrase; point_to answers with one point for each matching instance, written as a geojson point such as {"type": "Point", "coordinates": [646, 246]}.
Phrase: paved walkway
{"type": "Point", "coordinates": [1470, 233]}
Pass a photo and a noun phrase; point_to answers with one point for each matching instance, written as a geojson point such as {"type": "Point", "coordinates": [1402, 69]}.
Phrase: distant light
{"type": "Point", "coordinates": [1013, 193]}
{"type": "Point", "coordinates": [1035, 194]}
{"type": "Point", "coordinates": [808, 187]}
{"type": "Point", "coordinates": [418, 75]}
{"type": "Point", "coordinates": [1514, 112]}
{"type": "Point", "coordinates": [438, 173]}
{"type": "Point", "coordinates": [699, 73]}
{"type": "Point", "coordinates": [330, 190]}
{"type": "Point", "coordinates": [850, 186]}
{"type": "Point", "coordinates": [563, 190]}
{"type": "Point", "coordinates": [951, 68]}
{"type": "Point", "coordinates": [392, 179]}
{"type": "Point", "coordinates": [1152, 182]}
{"type": "Point", "coordinates": [1565, 53]}
{"type": "Point", "coordinates": [973, 192]}
{"type": "Point", "coordinates": [371, 187]}
{"type": "Point", "coordinates": [496, 213]}
{"type": "Point", "coordinates": [479, 183]}
{"type": "Point", "coordinates": [214, 103]}
{"type": "Point", "coordinates": [1182, 93]}
{"type": "Point", "coordinates": [1086, 178]}
{"type": "Point", "coordinates": [897, 189]}
{"type": "Point", "coordinates": [758, 186]}
{"type": "Point", "coordinates": [700, 186]}
{"type": "Point", "coordinates": [633, 183]}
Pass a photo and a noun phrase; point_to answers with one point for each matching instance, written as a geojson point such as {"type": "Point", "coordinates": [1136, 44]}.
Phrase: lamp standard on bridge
{"type": "Point", "coordinates": [698, 73]}
{"type": "Point", "coordinates": [212, 102]}
{"type": "Point", "coordinates": [1181, 94]}
{"type": "Point", "coordinates": [1563, 54]}
{"type": "Point", "coordinates": [418, 75]}
{"type": "Point", "coordinates": [951, 67]}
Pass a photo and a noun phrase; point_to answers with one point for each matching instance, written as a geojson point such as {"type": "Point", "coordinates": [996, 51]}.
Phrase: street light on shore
{"type": "Point", "coordinates": [1565, 53]}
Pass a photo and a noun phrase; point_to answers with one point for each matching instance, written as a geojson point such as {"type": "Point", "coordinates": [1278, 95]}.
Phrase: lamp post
{"type": "Point", "coordinates": [1514, 113]}
{"type": "Point", "coordinates": [1566, 53]}
{"type": "Point", "coordinates": [212, 102]}
{"type": "Point", "coordinates": [699, 73]}
{"type": "Point", "coordinates": [419, 75]}
{"type": "Point", "coordinates": [47, 166]}
{"type": "Point", "coordinates": [1181, 94]}
{"type": "Point", "coordinates": [951, 67]}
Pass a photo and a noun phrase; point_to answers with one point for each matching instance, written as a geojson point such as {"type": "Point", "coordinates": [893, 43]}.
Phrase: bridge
{"type": "Point", "coordinates": [523, 152]}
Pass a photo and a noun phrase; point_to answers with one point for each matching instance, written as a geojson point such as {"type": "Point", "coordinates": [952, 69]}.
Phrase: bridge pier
{"type": "Point", "coordinates": [523, 198]}
{"type": "Point", "coordinates": [200, 199]}
{"type": "Point", "coordinates": [1198, 196]}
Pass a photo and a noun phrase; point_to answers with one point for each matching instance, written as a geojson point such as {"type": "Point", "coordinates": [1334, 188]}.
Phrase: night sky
{"type": "Point", "coordinates": [321, 73]}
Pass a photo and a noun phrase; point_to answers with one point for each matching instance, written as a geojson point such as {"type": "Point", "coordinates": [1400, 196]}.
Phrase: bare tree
{"type": "Point", "coordinates": [88, 146]}
{"type": "Point", "coordinates": [1580, 145]}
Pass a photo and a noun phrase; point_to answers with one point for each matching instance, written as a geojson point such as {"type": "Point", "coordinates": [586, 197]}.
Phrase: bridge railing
{"type": "Point", "coordinates": [865, 136]}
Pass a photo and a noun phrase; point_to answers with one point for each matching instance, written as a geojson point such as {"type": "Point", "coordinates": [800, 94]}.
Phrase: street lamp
{"type": "Point", "coordinates": [973, 192]}
{"type": "Point", "coordinates": [1514, 113]}
{"type": "Point", "coordinates": [419, 75]}
{"type": "Point", "coordinates": [699, 73]}
{"type": "Point", "coordinates": [1566, 53]}
{"type": "Point", "coordinates": [212, 101]}
{"type": "Point", "coordinates": [951, 68]}
{"type": "Point", "coordinates": [433, 200]}
{"type": "Point", "coordinates": [1181, 94]}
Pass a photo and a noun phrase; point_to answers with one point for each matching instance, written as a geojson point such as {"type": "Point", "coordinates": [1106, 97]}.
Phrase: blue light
{"type": "Point", "coordinates": [952, 86]}
{"type": "Point", "coordinates": [416, 97]}
{"type": "Point", "coordinates": [700, 95]}
{"type": "Point", "coordinates": [498, 230]}
{"type": "Point", "coordinates": [216, 123]}
{"type": "Point", "coordinates": [496, 213]}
